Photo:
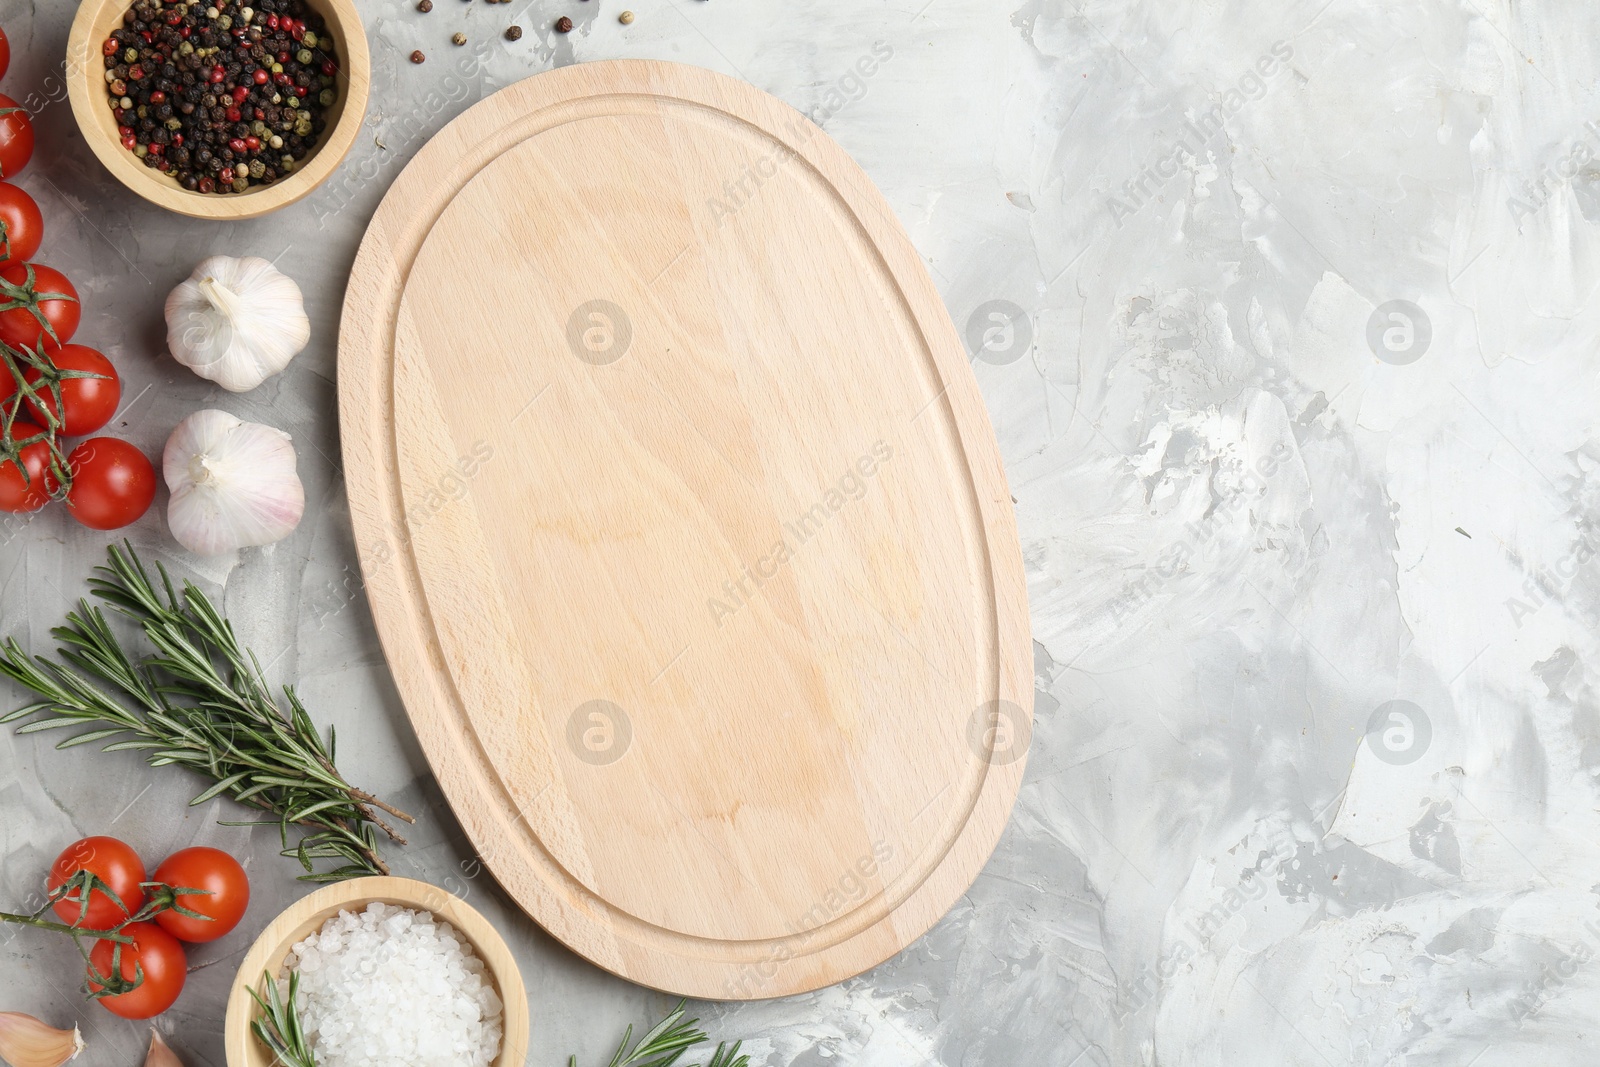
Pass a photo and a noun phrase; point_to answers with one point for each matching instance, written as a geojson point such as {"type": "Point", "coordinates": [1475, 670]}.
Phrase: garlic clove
{"type": "Point", "coordinates": [27, 1042]}
{"type": "Point", "coordinates": [236, 321]}
{"type": "Point", "coordinates": [160, 1055]}
{"type": "Point", "coordinates": [233, 484]}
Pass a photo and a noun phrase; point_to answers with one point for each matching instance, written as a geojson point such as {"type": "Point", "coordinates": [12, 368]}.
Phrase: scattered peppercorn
{"type": "Point", "coordinates": [222, 97]}
{"type": "Point", "coordinates": [458, 38]}
{"type": "Point", "coordinates": [424, 6]}
{"type": "Point", "coordinates": [626, 18]}
{"type": "Point", "coordinates": [563, 25]}
{"type": "Point", "coordinates": [417, 56]}
{"type": "Point", "coordinates": [514, 33]}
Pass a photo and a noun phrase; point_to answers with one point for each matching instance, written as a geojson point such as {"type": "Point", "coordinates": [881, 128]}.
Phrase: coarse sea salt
{"type": "Point", "coordinates": [392, 987]}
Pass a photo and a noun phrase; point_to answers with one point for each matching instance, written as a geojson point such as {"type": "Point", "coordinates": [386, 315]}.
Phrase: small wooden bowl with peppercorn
{"type": "Point", "coordinates": [219, 109]}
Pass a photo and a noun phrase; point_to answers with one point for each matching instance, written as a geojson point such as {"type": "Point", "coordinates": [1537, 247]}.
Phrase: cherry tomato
{"type": "Point", "coordinates": [113, 862]}
{"type": "Point", "coordinates": [17, 495]}
{"type": "Point", "coordinates": [16, 137]}
{"type": "Point", "coordinates": [113, 483]}
{"type": "Point", "coordinates": [156, 953]}
{"type": "Point", "coordinates": [21, 225]}
{"type": "Point", "coordinates": [5, 53]}
{"type": "Point", "coordinates": [47, 294]}
{"type": "Point", "coordinates": [213, 870]}
{"type": "Point", "coordinates": [89, 402]}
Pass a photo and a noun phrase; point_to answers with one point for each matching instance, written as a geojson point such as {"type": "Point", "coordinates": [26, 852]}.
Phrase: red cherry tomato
{"type": "Point", "coordinates": [5, 53]}
{"type": "Point", "coordinates": [16, 494]}
{"type": "Point", "coordinates": [16, 136]}
{"type": "Point", "coordinates": [113, 483]}
{"type": "Point", "coordinates": [21, 225]}
{"type": "Point", "coordinates": [89, 402]}
{"type": "Point", "coordinates": [32, 292]}
{"type": "Point", "coordinates": [116, 864]}
{"type": "Point", "coordinates": [212, 870]}
{"type": "Point", "coordinates": [154, 952]}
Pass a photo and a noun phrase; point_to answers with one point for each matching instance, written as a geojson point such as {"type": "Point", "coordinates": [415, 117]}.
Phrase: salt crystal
{"type": "Point", "coordinates": [390, 987]}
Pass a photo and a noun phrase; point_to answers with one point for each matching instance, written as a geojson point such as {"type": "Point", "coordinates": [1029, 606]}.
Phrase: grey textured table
{"type": "Point", "coordinates": [1292, 368]}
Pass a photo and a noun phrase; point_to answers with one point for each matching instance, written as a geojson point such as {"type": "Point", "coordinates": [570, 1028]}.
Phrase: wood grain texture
{"type": "Point", "coordinates": [86, 88]}
{"type": "Point", "coordinates": [685, 530]}
{"type": "Point", "coordinates": [241, 1047]}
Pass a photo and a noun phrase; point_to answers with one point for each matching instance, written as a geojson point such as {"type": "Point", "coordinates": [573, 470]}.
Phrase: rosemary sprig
{"type": "Point", "coordinates": [279, 1025]}
{"type": "Point", "coordinates": [199, 700]}
{"type": "Point", "coordinates": [666, 1044]}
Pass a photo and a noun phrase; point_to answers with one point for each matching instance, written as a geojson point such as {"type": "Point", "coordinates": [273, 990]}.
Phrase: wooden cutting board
{"type": "Point", "coordinates": [685, 530]}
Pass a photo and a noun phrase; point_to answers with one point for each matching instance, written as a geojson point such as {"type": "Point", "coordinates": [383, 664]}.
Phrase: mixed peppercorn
{"type": "Point", "coordinates": [221, 94]}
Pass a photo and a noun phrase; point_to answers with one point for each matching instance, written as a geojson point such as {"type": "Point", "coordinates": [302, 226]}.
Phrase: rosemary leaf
{"type": "Point", "coordinates": [200, 701]}
{"type": "Point", "coordinates": [279, 1026]}
{"type": "Point", "coordinates": [667, 1042]}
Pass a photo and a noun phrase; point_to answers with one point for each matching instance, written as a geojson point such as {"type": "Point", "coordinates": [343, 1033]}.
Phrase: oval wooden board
{"type": "Point", "coordinates": [685, 530]}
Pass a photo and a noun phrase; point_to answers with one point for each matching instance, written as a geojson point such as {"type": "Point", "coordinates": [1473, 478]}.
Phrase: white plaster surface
{"type": "Point", "coordinates": [1244, 530]}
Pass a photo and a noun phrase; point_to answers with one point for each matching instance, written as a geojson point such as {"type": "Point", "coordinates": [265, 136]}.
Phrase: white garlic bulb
{"type": "Point", "coordinates": [233, 484]}
{"type": "Point", "coordinates": [236, 321]}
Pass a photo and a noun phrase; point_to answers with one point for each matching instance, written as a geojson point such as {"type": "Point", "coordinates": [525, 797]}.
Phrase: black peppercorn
{"type": "Point", "coordinates": [514, 33]}
{"type": "Point", "coordinates": [563, 25]}
{"type": "Point", "coordinates": [199, 88]}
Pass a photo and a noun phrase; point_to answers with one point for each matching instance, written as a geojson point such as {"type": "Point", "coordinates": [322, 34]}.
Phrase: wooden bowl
{"type": "Point", "coordinates": [86, 87]}
{"type": "Point", "coordinates": [308, 914]}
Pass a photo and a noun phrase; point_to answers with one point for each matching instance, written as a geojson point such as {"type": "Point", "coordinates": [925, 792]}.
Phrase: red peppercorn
{"type": "Point", "coordinates": [109, 48]}
{"type": "Point", "coordinates": [158, 97]}
{"type": "Point", "coordinates": [149, 38]}
{"type": "Point", "coordinates": [136, 73]}
{"type": "Point", "coordinates": [235, 115]}
{"type": "Point", "coordinates": [238, 146]}
{"type": "Point", "coordinates": [329, 68]}
{"type": "Point", "coordinates": [217, 74]}
{"type": "Point", "coordinates": [273, 22]}
{"type": "Point", "coordinates": [130, 142]}
{"type": "Point", "coordinates": [177, 140]}
{"type": "Point", "coordinates": [261, 77]}
{"type": "Point", "coordinates": [283, 57]}
{"type": "Point", "coordinates": [187, 30]}
{"type": "Point", "coordinates": [252, 143]}
{"type": "Point", "coordinates": [208, 185]}
{"type": "Point", "coordinates": [259, 114]}
{"type": "Point", "coordinates": [156, 150]}
{"type": "Point", "coordinates": [300, 90]}
{"type": "Point", "coordinates": [124, 131]}
{"type": "Point", "coordinates": [240, 94]}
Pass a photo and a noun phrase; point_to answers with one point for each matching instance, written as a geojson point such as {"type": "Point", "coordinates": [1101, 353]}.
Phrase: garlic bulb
{"type": "Point", "coordinates": [233, 484]}
{"type": "Point", "coordinates": [160, 1055]}
{"type": "Point", "coordinates": [27, 1042]}
{"type": "Point", "coordinates": [236, 321]}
